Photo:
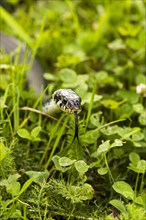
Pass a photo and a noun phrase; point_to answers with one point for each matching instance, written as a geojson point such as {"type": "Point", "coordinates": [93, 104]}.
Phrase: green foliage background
{"type": "Point", "coordinates": [96, 48]}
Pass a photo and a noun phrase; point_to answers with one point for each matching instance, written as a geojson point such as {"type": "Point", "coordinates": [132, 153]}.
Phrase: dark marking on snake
{"type": "Point", "coordinates": [64, 101]}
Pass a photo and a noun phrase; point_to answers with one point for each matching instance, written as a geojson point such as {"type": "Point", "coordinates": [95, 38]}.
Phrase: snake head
{"type": "Point", "coordinates": [67, 100]}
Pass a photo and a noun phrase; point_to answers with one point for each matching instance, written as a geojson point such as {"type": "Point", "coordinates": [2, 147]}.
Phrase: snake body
{"type": "Point", "coordinates": [9, 45]}
{"type": "Point", "coordinates": [65, 100]}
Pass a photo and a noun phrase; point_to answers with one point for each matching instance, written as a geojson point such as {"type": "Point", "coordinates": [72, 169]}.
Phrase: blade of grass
{"type": "Point", "coordinates": [54, 131]}
{"type": "Point", "coordinates": [26, 108]}
{"type": "Point", "coordinates": [60, 133]}
{"type": "Point", "coordinates": [110, 123]}
{"type": "Point", "coordinates": [74, 15]}
{"type": "Point", "coordinates": [14, 25]}
{"type": "Point", "coordinates": [5, 99]}
{"type": "Point", "coordinates": [24, 187]}
{"type": "Point", "coordinates": [91, 104]}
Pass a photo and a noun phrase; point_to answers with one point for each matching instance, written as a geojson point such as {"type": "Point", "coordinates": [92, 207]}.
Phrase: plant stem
{"type": "Point", "coordinates": [136, 183]}
{"type": "Point", "coordinates": [110, 174]}
{"type": "Point", "coordinates": [91, 104]}
{"type": "Point", "coordinates": [142, 183]}
{"type": "Point", "coordinates": [71, 213]}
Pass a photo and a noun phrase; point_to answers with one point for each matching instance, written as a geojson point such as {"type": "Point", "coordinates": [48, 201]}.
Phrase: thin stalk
{"type": "Point", "coordinates": [46, 210]}
{"type": "Point", "coordinates": [71, 214]}
{"type": "Point", "coordinates": [4, 101]}
{"type": "Point", "coordinates": [74, 15]}
{"type": "Point", "coordinates": [9, 123]}
{"type": "Point", "coordinates": [25, 212]}
{"type": "Point", "coordinates": [110, 123]}
{"type": "Point", "coordinates": [16, 108]}
{"type": "Point", "coordinates": [136, 184]}
{"type": "Point", "coordinates": [107, 166]}
{"type": "Point", "coordinates": [142, 183]}
{"type": "Point", "coordinates": [39, 202]}
{"type": "Point", "coordinates": [91, 104]}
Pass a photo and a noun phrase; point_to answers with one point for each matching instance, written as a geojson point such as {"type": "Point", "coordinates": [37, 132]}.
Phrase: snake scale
{"type": "Point", "coordinates": [65, 100]}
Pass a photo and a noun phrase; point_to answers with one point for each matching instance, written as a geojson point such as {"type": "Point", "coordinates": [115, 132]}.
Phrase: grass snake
{"type": "Point", "coordinates": [65, 100]}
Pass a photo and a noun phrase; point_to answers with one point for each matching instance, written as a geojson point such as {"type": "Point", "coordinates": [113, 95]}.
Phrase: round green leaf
{"type": "Point", "coordinates": [35, 131]}
{"type": "Point", "coordinates": [102, 170]}
{"type": "Point", "coordinates": [49, 76]}
{"type": "Point", "coordinates": [141, 166]}
{"type": "Point", "coordinates": [65, 161]}
{"type": "Point", "coordinates": [134, 157]}
{"type": "Point", "coordinates": [87, 98]}
{"type": "Point", "coordinates": [55, 160]}
{"type": "Point", "coordinates": [104, 147]}
{"type": "Point", "coordinates": [13, 188]}
{"type": "Point", "coordinates": [138, 136]}
{"type": "Point", "coordinates": [13, 178]}
{"type": "Point", "coordinates": [118, 205]}
{"type": "Point", "coordinates": [90, 137]}
{"type": "Point", "coordinates": [138, 108]}
{"type": "Point", "coordinates": [140, 78]}
{"type": "Point", "coordinates": [3, 151]}
{"type": "Point", "coordinates": [142, 118]}
{"type": "Point", "coordinates": [81, 167]}
{"type": "Point", "coordinates": [38, 177]}
{"type": "Point", "coordinates": [82, 89]}
{"type": "Point", "coordinates": [95, 118]}
{"type": "Point", "coordinates": [141, 200]}
{"type": "Point", "coordinates": [112, 104]}
{"type": "Point", "coordinates": [116, 143]}
{"type": "Point", "coordinates": [116, 44]}
{"type": "Point", "coordinates": [124, 189]}
{"type": "Point", "coordinates": [101, 76]}
{"type": "Point", "coordinates": [67, 75]}
{"type": "Point", "coordinates": [23, 133]}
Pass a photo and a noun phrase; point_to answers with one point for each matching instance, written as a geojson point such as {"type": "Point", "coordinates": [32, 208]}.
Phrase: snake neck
{"type": "Point", "coordinates": [50, 107]}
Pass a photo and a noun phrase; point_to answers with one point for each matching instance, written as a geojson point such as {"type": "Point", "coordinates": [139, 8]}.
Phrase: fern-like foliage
{"type": "Point", "coordinates": [58, 199]}
{"type": "Point", "coordinates": [38, 203]}
{"type": "Point", "coordinates": [74, 193]}
{"type": "Point", "coordinates": [7, 164]}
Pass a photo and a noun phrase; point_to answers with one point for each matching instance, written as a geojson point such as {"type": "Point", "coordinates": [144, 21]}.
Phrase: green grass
{"type": "Point", "coordinates": [97, 49]}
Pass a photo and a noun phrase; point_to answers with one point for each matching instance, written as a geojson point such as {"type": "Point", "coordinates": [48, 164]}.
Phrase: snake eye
{"type": "Point", "coordinates": [64, 101]}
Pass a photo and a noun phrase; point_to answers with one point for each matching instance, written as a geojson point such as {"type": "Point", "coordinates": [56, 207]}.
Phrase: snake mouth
{"type": "Point", "coordinates": [67, 100]}
{"type": "Point", "coordinates": [71, 110]}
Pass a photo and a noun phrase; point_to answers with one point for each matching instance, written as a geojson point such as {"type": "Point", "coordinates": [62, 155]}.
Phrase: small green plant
{"type": "Point", "coordinates": [11, 208]}
{"type": "Point", "coordinates": [132, 210]}
{"type": "Point", "coordinates": [23, 133]}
